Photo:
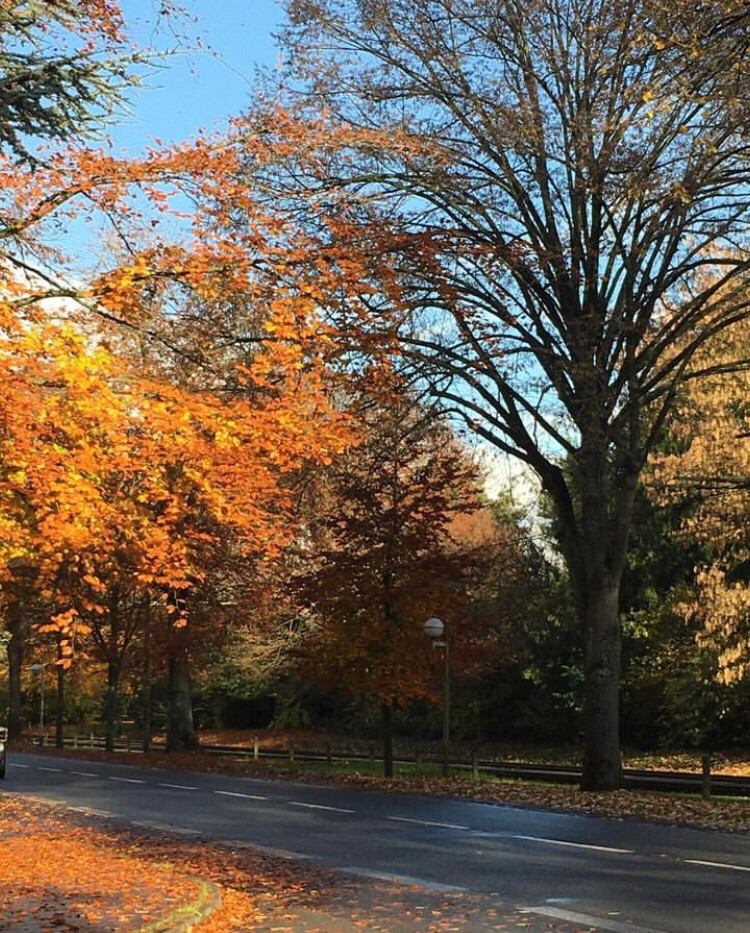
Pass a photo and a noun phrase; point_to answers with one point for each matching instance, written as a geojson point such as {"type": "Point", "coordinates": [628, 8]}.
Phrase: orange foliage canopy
{"type": "Point", "coordinates": [105, 464]}
{"type": "Point", "coordinates": [103, 468]}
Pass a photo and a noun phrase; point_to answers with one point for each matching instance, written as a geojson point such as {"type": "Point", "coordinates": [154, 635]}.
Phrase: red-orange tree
{"type": "Point", "coordinates": [381, 558]}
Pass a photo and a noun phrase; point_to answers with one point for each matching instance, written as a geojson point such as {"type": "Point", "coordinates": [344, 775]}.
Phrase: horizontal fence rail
{"type": "Point", "coordinates": [702, 782]}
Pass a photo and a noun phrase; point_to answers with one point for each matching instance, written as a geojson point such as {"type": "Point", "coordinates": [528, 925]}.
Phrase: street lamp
{"type": "Point", "coordinates": [39, 669]}
{"type": "Point", "coordinates": [438, 631]}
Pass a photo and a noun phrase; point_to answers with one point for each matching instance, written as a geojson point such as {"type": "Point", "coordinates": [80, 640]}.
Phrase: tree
{"type": "Point", "coordinates": [707, 43]}
{"type": "Point", "coordinates": [539, 192]}
{"type": "Point", "coordinates": [116, 487]}
{"type": "Point", "coordinates": [708, 457]}
{"type": "Point", "coordinates": [64, 68]}
{"type": "Point", "coordinates": [377, 560]}
{"type": "Point", "coordinates": [132, 459]}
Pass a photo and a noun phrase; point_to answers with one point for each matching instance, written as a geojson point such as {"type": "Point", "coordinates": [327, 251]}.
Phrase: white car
{"type": "Point", "coordinates": [3, 756]}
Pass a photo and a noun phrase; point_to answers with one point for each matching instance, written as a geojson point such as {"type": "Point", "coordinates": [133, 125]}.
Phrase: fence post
{"type": "Point", "coordinates": [75, 740]}
{"type": "Point", "coordinates": [255, 747]}
{"type": "Point", "coordinates": [291, 753]}
{"type": "Point", "coordinates": [706, 776]}
{"type": "Point", "coordinates": [474, 765]}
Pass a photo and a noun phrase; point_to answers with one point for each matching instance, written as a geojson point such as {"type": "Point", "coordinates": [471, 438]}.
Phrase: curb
{"type": "Point", "coordinates": [184, 919]}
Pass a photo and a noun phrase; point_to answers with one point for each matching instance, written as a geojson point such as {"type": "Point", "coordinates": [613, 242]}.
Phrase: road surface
{"type": "Point", "coordinates": [620, 876]}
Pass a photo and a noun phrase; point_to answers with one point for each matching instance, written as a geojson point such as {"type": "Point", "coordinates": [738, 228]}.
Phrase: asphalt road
{"type": "Point", "coordinates": [620, 876]}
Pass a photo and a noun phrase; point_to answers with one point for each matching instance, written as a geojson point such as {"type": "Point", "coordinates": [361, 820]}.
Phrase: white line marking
{"type": "Point", "coordinates": [574, 845]}
{"type": "Point", "coordinates": [697, 861]}
{"type": "Point", "coordinates": [231, 793]}
{"type": "Point", "coordinates": [406, 819]}
{"type": "Point", "coordinates": [318, 806]}
{"type": "Point", "coordinates": [127, 780]}
{"type": "Point", "coordinates": [601, 923]}
{"type": "Point", "coordinates": [14, 764]}
{"type": "Point", "coordinates": [179, 786]}
{"type": "Point", "coordinates": [56, 770]}
{"type": "Point", "coordinates": [85, 773]}
{"type": "Point", "coordinates": [399, 879]}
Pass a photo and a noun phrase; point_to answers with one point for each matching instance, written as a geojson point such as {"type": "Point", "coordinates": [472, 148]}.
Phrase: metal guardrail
{"type": "Point", "coordinates": [632, 778]}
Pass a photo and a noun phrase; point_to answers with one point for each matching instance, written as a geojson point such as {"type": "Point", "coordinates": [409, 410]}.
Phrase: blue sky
{"type": "Point", "coordinates": [194, 89]}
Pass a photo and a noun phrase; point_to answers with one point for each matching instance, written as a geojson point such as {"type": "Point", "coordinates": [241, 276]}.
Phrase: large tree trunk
{"type": "Point", "coordinates": [180, 730]}
{"type": "Point", "coordinates": [594, 543]}
{"type": "Point", "coordinates": [601, 711]}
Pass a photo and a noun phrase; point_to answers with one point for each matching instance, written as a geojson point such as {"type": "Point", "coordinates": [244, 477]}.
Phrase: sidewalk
{"type": "Point", "coordinates": [65, 871]}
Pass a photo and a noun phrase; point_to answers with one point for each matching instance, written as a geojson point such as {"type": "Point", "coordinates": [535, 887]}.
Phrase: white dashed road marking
{"type": "Point", "coordinates": [319, 806]}
{"type": "Point", "coordinates": [575, 845]}
{"type": "Point", "coordinates": [179, 786]}
{"type": "Point", "coordinates": [406, 819]}
{"type": "Point", "coordinates": [697, 861]}
{"type": "Point", "coordinates": [231, 793]}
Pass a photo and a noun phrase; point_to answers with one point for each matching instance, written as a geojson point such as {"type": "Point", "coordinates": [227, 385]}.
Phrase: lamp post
{"type": "Point", "coordinates": [39, 669]}
{"type": "Point", "coordinates": [438, 631]}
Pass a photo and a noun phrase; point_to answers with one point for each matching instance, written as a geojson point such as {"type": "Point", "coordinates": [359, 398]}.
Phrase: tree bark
{"type": "Point", "coordinates": [180, 729]}
{"type": "Point", "coordinates": [607, 497]}
{"type": "Point", "coordinates": [601, 714]}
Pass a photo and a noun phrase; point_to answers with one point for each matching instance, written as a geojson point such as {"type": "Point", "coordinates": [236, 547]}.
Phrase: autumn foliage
{"type": "Point", "coordinates": [707, 459]}
{"type": "Point", "coordinates": [396, 533]}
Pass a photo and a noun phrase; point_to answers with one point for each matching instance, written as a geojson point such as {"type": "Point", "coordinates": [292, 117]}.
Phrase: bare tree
{"type": "Point", "coordinates": [556, 195]}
